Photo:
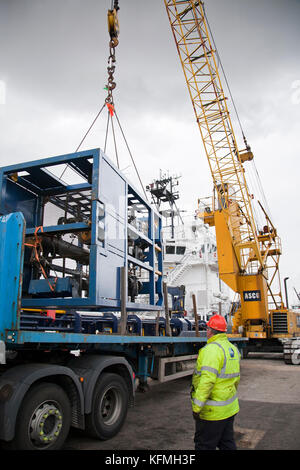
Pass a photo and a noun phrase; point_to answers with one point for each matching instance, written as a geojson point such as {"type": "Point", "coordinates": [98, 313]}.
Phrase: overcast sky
{"type": "Point", "coordinates": [53, 70]}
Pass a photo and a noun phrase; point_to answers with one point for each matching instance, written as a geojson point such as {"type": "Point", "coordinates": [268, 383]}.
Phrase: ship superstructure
{"type": "Point", "coordinates": [190, 253]}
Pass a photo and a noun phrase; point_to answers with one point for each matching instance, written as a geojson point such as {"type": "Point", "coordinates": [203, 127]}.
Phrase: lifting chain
{"type": "Point", "coordinates": [113, 29]}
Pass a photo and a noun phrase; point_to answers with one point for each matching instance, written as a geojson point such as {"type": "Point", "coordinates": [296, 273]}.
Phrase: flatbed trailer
{"type": "Point", "coordinates": [53, 381]}
{"type": "Point", "coordinates": [75, 337]}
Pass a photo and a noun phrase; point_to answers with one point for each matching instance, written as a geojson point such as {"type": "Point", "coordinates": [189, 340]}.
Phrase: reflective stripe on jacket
{"type": "Point", "coordinates": [215, 379]}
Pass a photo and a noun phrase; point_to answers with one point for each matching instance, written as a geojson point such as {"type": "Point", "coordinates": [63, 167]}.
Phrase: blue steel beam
{"type": "Point", "coordinates": [12, 228]}
{"type": "Point", "coordinates": [31, 337]}
{"type": "Point", "coordinates": [51, 161]}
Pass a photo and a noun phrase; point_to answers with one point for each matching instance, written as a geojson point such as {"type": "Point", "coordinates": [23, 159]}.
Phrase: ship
{"type": "Point", "coordinates": [190, 254]}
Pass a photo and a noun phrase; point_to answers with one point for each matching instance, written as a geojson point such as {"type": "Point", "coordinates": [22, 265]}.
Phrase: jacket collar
{"type": "Point", "coordinates": [216, 337]}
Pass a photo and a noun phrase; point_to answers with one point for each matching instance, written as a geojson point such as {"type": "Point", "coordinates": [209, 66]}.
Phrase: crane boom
{"type": "Point", "coordinates": [248, 256]}
{"type": "Point", "coordinates": [199, 63]}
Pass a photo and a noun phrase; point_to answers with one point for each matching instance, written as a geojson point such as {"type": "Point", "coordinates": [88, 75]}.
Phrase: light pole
{"type": "Point", "coordinates": [286, 295]}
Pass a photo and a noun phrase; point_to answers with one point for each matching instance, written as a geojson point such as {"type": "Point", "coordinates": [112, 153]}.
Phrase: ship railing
{"type": "Point", "coordinates": [179, 268]}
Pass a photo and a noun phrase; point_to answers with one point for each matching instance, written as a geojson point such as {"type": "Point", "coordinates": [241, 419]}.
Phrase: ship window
{"type": "Point", "coordinates": [180, 250]}
{"type": "Point", "coordinates": [170, 250]}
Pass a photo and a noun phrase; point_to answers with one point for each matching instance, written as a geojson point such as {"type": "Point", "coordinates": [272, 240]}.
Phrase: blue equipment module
{"type": "Point", "coordinates": [64, 246]}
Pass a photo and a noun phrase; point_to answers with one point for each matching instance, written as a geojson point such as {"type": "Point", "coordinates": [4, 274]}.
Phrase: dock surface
{"type": "Point", "coordinates": [269, 417]}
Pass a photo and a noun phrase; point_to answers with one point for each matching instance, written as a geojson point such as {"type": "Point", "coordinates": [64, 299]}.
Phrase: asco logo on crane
{"type": "Point", "coordinates": [251, 295]}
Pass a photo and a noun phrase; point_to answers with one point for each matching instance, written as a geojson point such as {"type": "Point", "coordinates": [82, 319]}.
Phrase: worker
{"type": "Point", "coordinates": [214, 389]}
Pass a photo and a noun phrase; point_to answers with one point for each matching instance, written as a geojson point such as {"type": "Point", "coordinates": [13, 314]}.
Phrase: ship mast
{"type": "Point", "coordinates": [163, 190]}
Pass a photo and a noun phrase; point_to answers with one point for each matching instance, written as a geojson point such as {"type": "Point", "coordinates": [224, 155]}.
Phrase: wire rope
{"type": "Point", "coordinates": [132, 159]}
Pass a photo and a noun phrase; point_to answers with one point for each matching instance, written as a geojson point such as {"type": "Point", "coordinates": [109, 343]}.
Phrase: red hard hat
{"type": "Point", "coordinates": [217, 322]}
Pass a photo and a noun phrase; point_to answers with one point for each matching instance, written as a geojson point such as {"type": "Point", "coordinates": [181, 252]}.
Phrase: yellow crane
{"type": "Point", "coordinates": [248, 255]}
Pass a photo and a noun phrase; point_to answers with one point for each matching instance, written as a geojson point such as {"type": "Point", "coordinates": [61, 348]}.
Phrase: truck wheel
{"type": "Point", "coordinates": [44, 419]}
{"type": "Point", "coordinates": [109, 407]}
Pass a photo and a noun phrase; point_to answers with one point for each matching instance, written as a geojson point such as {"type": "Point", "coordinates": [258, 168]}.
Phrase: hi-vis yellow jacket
{"type": "Point", "coordinates": [215, 380]}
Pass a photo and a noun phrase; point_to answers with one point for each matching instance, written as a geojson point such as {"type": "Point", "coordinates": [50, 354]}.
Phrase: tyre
{"type": "Point", "coordinates": [43, 420]}
{"type": "Point", "coordinates": [109, 407]}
